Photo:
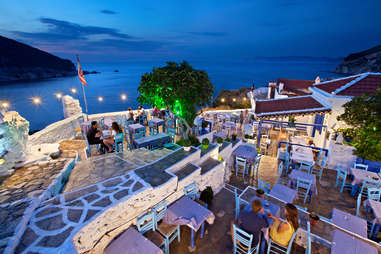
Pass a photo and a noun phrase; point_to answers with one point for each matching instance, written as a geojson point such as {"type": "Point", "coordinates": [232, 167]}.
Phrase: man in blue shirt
{"type": "Point", "coordinates": [253, 221]}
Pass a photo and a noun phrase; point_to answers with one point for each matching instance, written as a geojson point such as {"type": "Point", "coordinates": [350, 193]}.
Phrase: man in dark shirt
{"type": "Point", "coordinates": [93, 136]}
{"type": "Point", "coordinates": [253, 221]}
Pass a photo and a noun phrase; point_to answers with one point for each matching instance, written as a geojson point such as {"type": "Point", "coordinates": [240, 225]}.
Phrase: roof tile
{"type": "Point", "coordinates": [289, 104]}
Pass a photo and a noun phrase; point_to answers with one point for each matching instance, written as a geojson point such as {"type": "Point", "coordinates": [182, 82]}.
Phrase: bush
{"type": "Point", "coordinates": [219, 140]}
{"type": "Point", "coordinates": [234, 137]}
{"type": "Point", "coordinates": [194, 141]}
{"type": "Point", "coordinates": [207, 195]}
{"type": "Point", "coordinates": [204, 124]}
{"type": "Point", "coordinates": [205, 141]}
{"type": "Point", "coordinates": [247, 136]}
{"type": "Point", "coordinates": [180, 142]}
{"type": "Point", "coordinates": [187, 143]}
{"type": "Point", "coordinates": [227, 139]}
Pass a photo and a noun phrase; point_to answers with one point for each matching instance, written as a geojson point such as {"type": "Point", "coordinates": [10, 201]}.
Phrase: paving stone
{"type": "Point", "coordinates": [52, 223]}
{"type": "Point", "coordinates": [137, 186]}
{"type": "Point", "coordinates": [109, 190]}
{"type": "Point", "coordinates": [75, 203]}
{"type": "Point", "coordinates": [76, 194]}
{"type": "Point", "coordinates": [119, 195]}
{"type": "Point", "coordinates": [103, 202]}
{"type": "Point", "coordinates": [47, 211]}
{"type": "Point", "coordinates": [53, 201]}
{"type": "Point", "coordinates": [27, 239]}
{"type": "Point", "coordinates": [55, 240]}
{"type": "Point", "coordinates": [91, 197]}
{"type": "Point", "coordinates": [74, 215]}
{"type": "Point", "coordinates": [90, 213]}
{"type": "Point", "coordinates": [112, 182]}
{"type": "Point", "coordinates": [128, 183]}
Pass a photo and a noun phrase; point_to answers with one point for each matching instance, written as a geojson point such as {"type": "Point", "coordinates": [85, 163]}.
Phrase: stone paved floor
{"type": "Point", "coordinates": [67, 146]}
{"type": "Point", "coordinates": [30, 181]}
{"type": "Point", "coordinates": [218, 240]}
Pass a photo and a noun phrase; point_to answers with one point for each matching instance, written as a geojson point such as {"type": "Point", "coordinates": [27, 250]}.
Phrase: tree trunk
{"type": "Point", "coordinates": [183, 122]}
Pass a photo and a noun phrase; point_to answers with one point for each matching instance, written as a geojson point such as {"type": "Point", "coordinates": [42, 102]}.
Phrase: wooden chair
{"type": "Point", "coordinates": [242, 242]}
{"type": "Point", "coordinates": [146, 226]}
{"type": "Point", "coordinates": [303, 186]}
{"type": "Point", "coordinates": [191, 191]}
{"type": "Point", "coordinates": [273, 247]}
{"type": "Point", "coordinates": [240, 165]}
{"type": "Point", "coordinates": [264, 186]}
{"type": "Point", "coordinates": [360, 166]}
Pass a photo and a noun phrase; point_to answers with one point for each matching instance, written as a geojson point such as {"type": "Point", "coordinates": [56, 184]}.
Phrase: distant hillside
{"type": "Point", "coordinates": [19, 61]}
{"type": "Point", "coordinates": [365, 61]}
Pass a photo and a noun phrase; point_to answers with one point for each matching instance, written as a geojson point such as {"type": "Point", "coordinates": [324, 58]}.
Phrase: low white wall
{"type": "Point", "coordinates": [207, 135]}
{"type": "Point", "coordinates": [340, 156]}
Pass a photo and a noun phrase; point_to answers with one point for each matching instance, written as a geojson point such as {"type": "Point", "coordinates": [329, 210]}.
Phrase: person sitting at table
{"type": "Point", "coordinates": [281, 232]}
{"type": "Point", "coordinates": [109, 142]}
{"type": "Point", "coordinates": [93, 136]}
{"type": "Point", "coordinates": [141, 115]}
{"type": "Point", "coordinates": [155, 111]}
{"type": "Point", "coordinates": [130, 115]}
{"type": "Point", "coordinates": [252, 221]}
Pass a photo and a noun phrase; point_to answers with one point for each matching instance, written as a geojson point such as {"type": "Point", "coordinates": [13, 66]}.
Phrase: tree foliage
{"type": "Point", "coordinates": [363, 113]}
{"type": "Point", "coordinates": [178, 86]}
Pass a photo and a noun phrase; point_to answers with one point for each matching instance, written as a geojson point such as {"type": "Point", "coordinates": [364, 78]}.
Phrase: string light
{"type": "Point", "coordinates": [123, 97]}
{"type": "Point", "coordinates": [36, 100]}
{"type": "Point", "coordinates": [73, 90]}
{"type": "Point", "coordinates": [58, 95]}
{"type": "Point", "coordinates": [100, 98]}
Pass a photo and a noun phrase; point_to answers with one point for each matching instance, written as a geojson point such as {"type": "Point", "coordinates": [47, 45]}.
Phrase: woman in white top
{"type": "Point", "coordinates": [115, 129]}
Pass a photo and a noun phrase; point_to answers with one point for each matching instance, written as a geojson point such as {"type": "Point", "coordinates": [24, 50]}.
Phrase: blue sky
{"type": "Point", "coordinates": [237, 29]}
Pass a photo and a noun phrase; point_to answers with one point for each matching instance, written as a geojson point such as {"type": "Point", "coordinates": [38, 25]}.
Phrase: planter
{"type": "Point", "coordinates": [187, 148]}
{"type": "Point", "coordinates": [260, 193]}
{"type": "Point", "coordinates": [314, 219]}
{"type": "Point", "coordinates": [205, 147]}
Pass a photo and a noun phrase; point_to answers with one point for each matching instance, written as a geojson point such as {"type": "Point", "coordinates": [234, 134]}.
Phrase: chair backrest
{"type": "Point", "coordinates": [360, 166]}
{"type": "Point", "coordinates": [324, 162]}
{"type": "Point", "coordinates": [243, 238]}
{"type": "Point", "coordinates": [120, 120]}
{"type": "Point", "coordinates": [320, 154]}
{"type": "Point", "coordinates": [119, 138]}
{"type": "Point", "coordinates": [374, 194]}
{"type": "Point", "coordinates": [305, 166]}
{"type": "Point", "coordinates": [191, 190]}
{"type": "Point", "coordinates": [280, 169]}
{"type": "Point", "coordinates": [145, 223]}
{"type": "Point", "coordinates": [129, 122]}
{"type": "Point", "coordinates": [289, 247]}
{"type": "Point", "coordinates": [170, 124]}
{"type": "Point", "coordinates": [159, 211]}
{"type": "Point", "coordinates": [240, 162]}
{"type": "Point", "coordinates": [308, 248]}
{"type": "Point", "coordinates": [341, 173]}
{"type": "Point", "coordinates": [303, 183]}
{"type": "Point", "coordinates": [358, 204]}
{"type": "Point", "coordinates": [369, 183]}
{"type": "Point", "coordinates": [102, 123]}
{"type": "Point", "coordinates": [138, 135]}
{"type": "Point", "coordinates": [264, 186]}
{"type": "Point", "coordinates": [237, 208]}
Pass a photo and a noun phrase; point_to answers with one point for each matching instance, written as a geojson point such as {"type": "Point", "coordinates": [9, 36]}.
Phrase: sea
{"type": "Point", "coordinates": [110, 85]}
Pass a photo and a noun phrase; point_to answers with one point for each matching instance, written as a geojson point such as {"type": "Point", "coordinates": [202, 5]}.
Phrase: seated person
{"type": "Point", "coordinates": [93, 135]}
{"type": "Point", "coordinates": [109, 142]}
{"type": "Point", "coordinates": [281, 232]}
{"type": "Point", "coordinates": [155, 111]}
{"type": "Point", "coordinates": [130, 115]}
{"type": "Point", "coordinates": [252, 221]}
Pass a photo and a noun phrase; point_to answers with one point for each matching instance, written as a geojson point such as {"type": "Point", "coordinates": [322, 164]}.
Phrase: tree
{"type": "Point", "coordinates": [179, 87]}
{"type": "Point", "coordinates": [363, 113]}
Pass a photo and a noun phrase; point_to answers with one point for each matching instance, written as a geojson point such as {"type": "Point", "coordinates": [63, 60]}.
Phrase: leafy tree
{"type": "Point", "coordinates": [363, 113]}
{"type": "Point", "coordinates": [179, 87]}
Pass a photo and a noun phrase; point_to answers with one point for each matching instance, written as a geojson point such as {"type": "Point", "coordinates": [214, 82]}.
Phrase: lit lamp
{"type": "Point", "coordinates": [244, 98]}
{"type": "Point", "coordinates": [123, 97]}
{"type": "Point", "coordinates": [58, 95]}
{"type": "Point", "coordinates": [100, 98]}
{"type": "Point", "coordinates": [5, 105]}
{"type": "Point", "coordinates": [2, 161]}
{"type": "Point", "coordinates": [36, 100]}
{"type": "Point", "coordinates": [234, 99]}
{"type": "Point", "coordinates": [223, 100]}
{"type": "Point", "coordinates": [73, 90]}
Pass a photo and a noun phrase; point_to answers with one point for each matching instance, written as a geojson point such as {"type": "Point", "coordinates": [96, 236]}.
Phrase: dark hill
{"type": "Point", "coordinates": [19, 61]}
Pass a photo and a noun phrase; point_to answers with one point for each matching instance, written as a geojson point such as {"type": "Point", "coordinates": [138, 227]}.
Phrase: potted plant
{"type": "Point", "coordinates": [205, 143]}
{"type": "Point", "coordinates": [260, 193]}
{"type": "Point", "coordinates": [207, 195]}
{"type": "Point", "coordinates": [234, 137]}
{"type": "Point", "coordinates": [247, 137]}
{"type": "Point", "coordinates": [219, 141]}
{"type": "Point", "coordinates": [227, 139]}
{"type": "Point", "coordinates": [314, 219]}
{"type": "Point", "coordinates": [187, 145]}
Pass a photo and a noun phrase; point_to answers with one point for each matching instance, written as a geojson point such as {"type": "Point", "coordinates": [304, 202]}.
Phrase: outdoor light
{"type": "Point", "coordinates": [244, 98]}
{"type": "Point", "coordinates": [2, 161]}
{"type": "Point", "coordinates": [123, 97]}
{"type": "Point", "coordinates": [223, 100]}
{"type": "Point", "coordinates": [234, 99]}
{"type": "Point", "coordinates": [59, 95]}
{"type": "Point", "coordinates": [36, 100]}
{"type": "Point", "coordinates": [73, 90]}
{"type": "Point", "coordinates": [4, 105]}
{"type": "Point", "coordinates": [100, 98]}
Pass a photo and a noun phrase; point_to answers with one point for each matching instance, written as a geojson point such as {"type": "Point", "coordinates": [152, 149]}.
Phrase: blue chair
{"type": "Point", "coordinates": [240, 165]}
{"type": "Point", "coordinates": [308, 248]}
{"type": "Point", "coordinates": [360, 166]}
{"type": "Point", "coordinates": [281, 180]}
{"type": "Point", "coordinates": [319, 170]}
{"type": "Point", "coordinates": [119, 142]}
{"type": "Point", "coordinates": [341, 176]}
{"type": "Point", "coordinates": [237, 207]}
{"type": "Point", "coordinates": [191, 191]}
{"type": "Point", "coordinates": [273, 247]}
{"type": "Point", "coordinates": [152, 128]}
{"type": "Point", "coordinates": [120, 120]}
{"type": "Point", "coordinates": [89, 146]}
{"type": "Point", "coordinates": [139, 134]}
{"type": "Point", "coordinates": [264, 186]}
{"type": "Point", "coordinates": [102, 123]}
{"type": "Point", "coordinates": [320, 154]}
{"type": "Point", "coordinates": [303, 186]}
{"type": "Point", "coordinates": [305, 166]}
{"type": "Point", "coordinates": [76, 130]}
{"type": "Point", "coordinates": [129, 122]}
{"type": "Point", "coordinates": [256, 164]}
{"type": "Point", "coordinates": [146, 226]}
{"type": "Point", "coordinates": [242, 242]}
{"type": "Point", "coordinates": [369, 183]}
{"type": "Point", "coordinates": [172, 134]}
{"type": "Point", "coordinates": [358, 204]}
{"type": "Point", "coordinates": [287, 163]}
{"type": "Point", "coordinates": [374, 194]}
{"type": "Point", "coordinates": [170, 232]}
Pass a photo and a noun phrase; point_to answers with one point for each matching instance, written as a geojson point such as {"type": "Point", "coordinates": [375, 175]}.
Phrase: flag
{"type": "Point", "coordinates": [80, 73]}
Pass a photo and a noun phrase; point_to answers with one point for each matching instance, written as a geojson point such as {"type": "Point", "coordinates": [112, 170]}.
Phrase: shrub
{"type": "Point", "coordinates": [234, 137]}
{"type": "Point", "coordinates": [227, 139]}
{"type": "Point", "coordinates": [205, 141]}
{"type": "Point", "coordinates": [194, 141]}
{"type": "Point", "coordinates": [219, 140]}
{"type": "Point", "coordinates": [187, 143]}
{"type": "Point", "coordinates": [204, 124]}
{"type": "Point", "coordinates": [207, 195]}
{"type": "Point", "coordinates": [247, 136]}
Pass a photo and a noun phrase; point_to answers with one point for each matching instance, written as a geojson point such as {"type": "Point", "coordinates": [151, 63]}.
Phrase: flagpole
{"type": "Point", "coordinates": [83, 82]}
{"type": "Point", "coordinates": [84, 97]}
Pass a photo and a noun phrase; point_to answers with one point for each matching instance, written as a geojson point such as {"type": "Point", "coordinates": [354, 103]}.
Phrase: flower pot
{"type": "Point", "coordinates": [205, 147]}
{"type": "Point", "coordinates": [314, 219]}
{"type": "Point", "coordinates": [187, 148]}
{"type": "Point", "coordinates": [260, 193]}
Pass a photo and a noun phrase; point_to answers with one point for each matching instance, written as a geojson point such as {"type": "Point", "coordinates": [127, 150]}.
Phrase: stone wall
{"type": "Point", "coordinates": [71, 106]}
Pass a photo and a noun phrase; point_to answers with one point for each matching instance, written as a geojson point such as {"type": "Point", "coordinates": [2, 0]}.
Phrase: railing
{"type": "Point", "coordinates": [310, 147]}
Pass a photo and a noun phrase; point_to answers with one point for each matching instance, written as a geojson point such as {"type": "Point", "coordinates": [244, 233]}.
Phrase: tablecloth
{"type": "Point", "coordinates": [108, 123]}
{"type": "Point", "coordinates": [376, 207]}
{"type": "Point", "coordinates": [300, 154]}
{"type": "Point", "coordinates": [221, 134]}
{"type": "Point", "coordinates": [284, 193]}
{"type": "Point", "coordinates": [296, 173]}
{"type": "Point", "coordinates": [298, 140]}
{"type": "Point", "coordinates": [359, 175]}
{"type": "Point", "coordinates": [229, 124]}
{"type": "Point", "coordinates": [343, 243]}
{"type": "Point", "coordinates": [267, 206]}
{"type": "Point", "coordinates": [349, 222]}
{"type": "Point", "coordinates": [156, 140]}
{"type": "Point", "coordinates": [132, 242]}
{"type": "Point", "coordinates": [247, 152]}
{"type": "Point", "coordinates": [185, 211]}
{"type": "Point", "coordinates": [135, 127]}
